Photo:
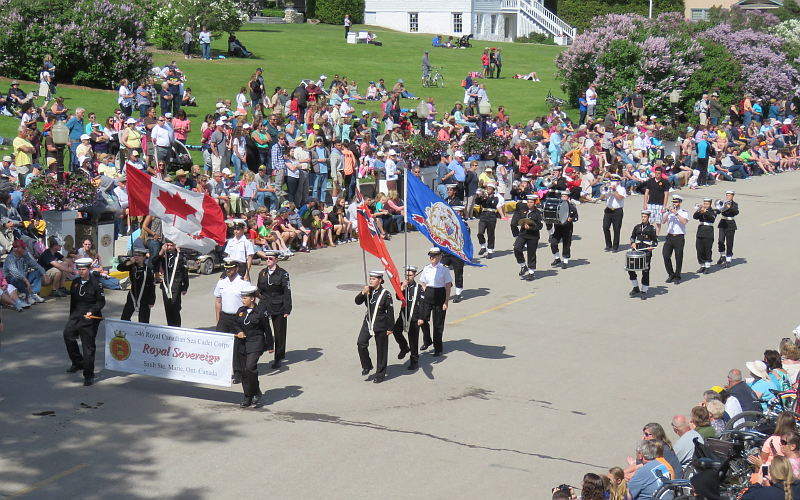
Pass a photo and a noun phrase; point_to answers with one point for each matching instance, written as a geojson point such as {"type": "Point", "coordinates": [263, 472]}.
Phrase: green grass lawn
{"type": "Point", "coordinates": [289, 53]}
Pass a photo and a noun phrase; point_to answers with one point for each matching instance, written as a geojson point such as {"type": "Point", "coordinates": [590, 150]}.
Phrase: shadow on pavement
{"type": "Point", "coordinates": [477, 350]}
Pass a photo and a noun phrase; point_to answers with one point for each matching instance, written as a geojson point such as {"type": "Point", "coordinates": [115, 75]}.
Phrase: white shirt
{"type": "Point", "coordinates": [161, 136]}
{"type": "Point", "coordinates": [674, 226]}
{"type": "Point", "coordinates": [230, 293]}
{"type": "Point", "coordinates": [591, 96]}
{"type": "Point", "coordinates": [612, 202]}
{"type": "Point", "coordinates": [391, 170]}
{"type": "Point", "coordinates": [436, 276]}
{"type": "Point", "coordinates": [239, 249]}
{"type": "Point", "coordinates": [122, 196]}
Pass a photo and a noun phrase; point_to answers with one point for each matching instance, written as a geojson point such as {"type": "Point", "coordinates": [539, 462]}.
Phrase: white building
{"type": "Point", "coordinates": [499, 20]}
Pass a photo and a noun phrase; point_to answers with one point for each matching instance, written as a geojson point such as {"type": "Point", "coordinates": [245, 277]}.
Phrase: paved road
{"type": "Point", "coordinates": [541, 383]}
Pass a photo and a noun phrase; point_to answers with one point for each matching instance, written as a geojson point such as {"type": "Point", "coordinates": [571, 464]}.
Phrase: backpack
{"type": "Point", "coordinates": [463, 84]}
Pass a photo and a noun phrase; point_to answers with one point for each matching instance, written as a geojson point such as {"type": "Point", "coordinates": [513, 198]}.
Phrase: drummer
{"type": "Point", "coordinates": [643, 239]}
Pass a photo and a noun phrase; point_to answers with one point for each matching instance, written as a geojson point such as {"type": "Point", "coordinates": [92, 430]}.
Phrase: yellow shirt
{"type": "Point", "coordinates": [134, 139]}
{"type": "Point", "coordinates": [21, 158]}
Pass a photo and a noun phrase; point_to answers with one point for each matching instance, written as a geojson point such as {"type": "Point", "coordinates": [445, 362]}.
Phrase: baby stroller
{"type": "Point", "coordinates": [464, 41]}
{"type": "Point", "coordinates": [236, 49]}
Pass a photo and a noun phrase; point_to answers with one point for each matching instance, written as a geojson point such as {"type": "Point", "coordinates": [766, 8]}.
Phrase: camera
{"type": "Point", "coordinates": [563, 487]}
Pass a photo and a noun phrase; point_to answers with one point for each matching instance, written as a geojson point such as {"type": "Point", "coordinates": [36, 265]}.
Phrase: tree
{"type": "Point", "coordinates": [333, 11]}
{"type": "Point", "coordinates": [220, 17]}
{"type": "Point", "coordinates": [580, 13]}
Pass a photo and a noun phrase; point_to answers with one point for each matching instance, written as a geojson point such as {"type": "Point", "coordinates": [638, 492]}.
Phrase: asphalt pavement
{"type": "Point", "coordinates": [541, 381]}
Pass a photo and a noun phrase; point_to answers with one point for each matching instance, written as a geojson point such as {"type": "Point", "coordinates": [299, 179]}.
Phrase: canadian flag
{"type": "Point", "coordinates": [188, 218]}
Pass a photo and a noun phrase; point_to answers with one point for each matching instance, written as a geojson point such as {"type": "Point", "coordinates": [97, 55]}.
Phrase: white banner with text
{"type": "Point", "coordinates": [169, 352]}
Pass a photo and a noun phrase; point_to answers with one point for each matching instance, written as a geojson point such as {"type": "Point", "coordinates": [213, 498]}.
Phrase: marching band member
{"type": "Point", "coordinates": [562, 233]}
{"type": "Point", "coordinates": [556, 185]}
{"type": "Point", "coordinates": [378, 322]}
{"type": "Point", "coordinates": [85, 313]}
{"type": "Point", "coordinates": [436, 282]}
{"type": "Point", "coordinates": [677, 218]}
{"type": "Point", "coordinates": [171, 268]}
{"type": "Point", "coordinates": [142, 295]}
{"type": "Point", "coordinates": [615, 196]}
{"type": "Point", "coordinates": [410, 313]}
{"type": "Point", "coordinates": [727, 228]}
{"type": "Point", "coordinates": [644, 239]}
{"type": "Point", "coordinates": [529, 218]}
{"type": "Point", "coordinates": [705, 215]}
{"type": "Point", "coordinates": [452, 195]}
{"type": "Point", "coordinates": [253, 337]}
{"type": "Point", "coordinates": [488, 201]}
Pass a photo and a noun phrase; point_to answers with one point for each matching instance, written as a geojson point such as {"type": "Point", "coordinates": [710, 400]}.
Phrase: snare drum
{"type": "Point", "coordinates": [555, 210]}
{"type": "Point", "coordinates": [636, 260]}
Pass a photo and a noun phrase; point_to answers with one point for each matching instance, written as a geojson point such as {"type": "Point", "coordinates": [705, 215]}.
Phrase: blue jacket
{"type": "Point", "coordinates": [76, 129]}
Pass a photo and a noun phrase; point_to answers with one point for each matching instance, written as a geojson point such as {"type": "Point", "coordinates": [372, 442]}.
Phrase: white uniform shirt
{"type": "Point", "coordinates": [239, 249]}
{"type": "Point", "coordinates": [122, 196]}
{"type": "Point", "coordinates": [391, 170]}
{"type": "Point", "coordinates": [612, 202]}
{"type": "Point", "coordinates": [436, 276]}
{"type": "Point", "coordinates": [674, 226]}
{"type": "Point", "coordinates": [230, 293]}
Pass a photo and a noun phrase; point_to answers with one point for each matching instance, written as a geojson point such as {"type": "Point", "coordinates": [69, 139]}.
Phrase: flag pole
{"type": "Point", "coordinates": [405, 241]}
{"type": "Point", "coordinates": [364, 260]}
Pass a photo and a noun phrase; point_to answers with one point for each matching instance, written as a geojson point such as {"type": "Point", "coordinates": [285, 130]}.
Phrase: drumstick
{"type": "Point", "coordinates": [93, 317]}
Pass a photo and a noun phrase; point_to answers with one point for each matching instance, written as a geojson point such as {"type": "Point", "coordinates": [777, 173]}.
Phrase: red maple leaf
{"type": "Point", "coordinates": [174, 204]}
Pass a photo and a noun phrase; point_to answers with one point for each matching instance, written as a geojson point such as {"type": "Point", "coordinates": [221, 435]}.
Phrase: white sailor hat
{"type": "Point", "coordinates": [525, 178]}
{"type": "Point", "coordinates": [139, 251]}
{"type": "Point", "coordinates": [83, 262]}
{"type": "Point", "coordinates": [558, 167]}
{"type": "Point", "coordinates": [271, 253]}
{"type": "Point", "coordinates": [457, 208]}
{"type": "Point", "coordinates": [228, 263]}
{"type": "Point", "coordinates": [730, 191]}
{"type": "Point", "coordinates": [647, 213]}
{"type": "Point", "coordinates": [376, 274]}
{"type": "Point", "coordinates": [677, 197]}
{"type": "Point", "coordinates": [451, 186]}
{"type": "Point", "coordinates": [532, 196]}
{"type": "Point", "coordinates": [435, 251]}
{"type": "Point", "coordinates": [411, 269]}
{"type": "Point", "coordinates": [249, 290]}
{"type": "Point", "coordinates": [708, 200]}
{"type": "Point", "coordinates": [615, 177]}
{"type": "Point", "coordinates": [491, 185]}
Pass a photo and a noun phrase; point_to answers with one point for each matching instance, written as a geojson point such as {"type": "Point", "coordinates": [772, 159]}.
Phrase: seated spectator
{"type": "Point", "coordinates": [618, 486]}
{"type": "Point", "coordinates": [218, 190]}
{"type": "Point", "coordinates": [101, 274]}
{"type": "Point", "coordinates": [775, 370]}
{"type": "Point", "coordinates": [593, 487]}
{"type": "Point", "coordinates": [684, 446]}
{"type": "Point", "coordinates": [9, 296]}
{"type": "Point", "coordinates": [744, 395]}
{"type": "Point", "coordinates": [761, 385]}
{"type": "Point", "coordinates": [24, 272]}
{"type": "Point", "coordinates": [55, 269]}
{"type": "Point", "coordinates": [6, 235]}
{"type": "Point", "coordinates": [716, 409]}
{"type": "Point", "coordinates": [782, 482]}
{"type": "Point", "coordinates": [655, 470]}
{"type": "Point", "coordinates": [701, 422]}
{"type": "Point", "coordinates": [236, 49]}
{"type": "Point", "coordinates": [790, 358]}
{"type": "Point", "coordinates": [772, 446]}
{"type": "Point", "coordinates": [654, 431]}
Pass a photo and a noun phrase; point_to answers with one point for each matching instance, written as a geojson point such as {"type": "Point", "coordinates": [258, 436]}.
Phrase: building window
{"type": "Point", "coordinates": [478, 23]}
{"type": "Point", "coordinates": [699, 14]}
{"type": "Point", "coordinates": [493, 24]}
{"type": "Point", "coordinates": [457, 22]}
{"type": "Point", "coordinates": [413, 22]}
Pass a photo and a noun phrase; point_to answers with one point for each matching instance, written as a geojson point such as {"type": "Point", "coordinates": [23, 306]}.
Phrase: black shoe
{"type": "Point", "coordinates": [247, 401]}
{"type": "Point", "coordinates": [724, 264]}
{"type": "Point", "coordinates": [720, 260]}
{"type": "Point", "coordinates": [564, 265]}
{"type": "Point", "coordinates": [74, 368]}
{"type": "Point", "coordinates": [257, 400]}
{"type": "Point", "coordinates": [436, 354]}
{"type": "Point", "coordinates": [378, 379]}
{"type": "Point", "coordinates": [644, 295]}
{"type": "Point", "coordinates": [413, 365]}
{"type": "Point", "coordinates": [607, 249]}
{"type": "Point", "coordinates": [676, 280]}
{"type": "Point", "coordinates": [670, 279]}
{"type": "Point", "coordinates": [457, 298]}
{"type": "Point", "coordinates": [88, 381]}
{"type": "Point", "coordinates": [634, 292]}
{"type": "Point", "coordinates": [365, 371]}
{"type": "Point", "coordinates": [702, 270]}
{"type": "Point", "coordinates": [425, 347]}
{"type": "Point", "coordinates": [523, 270]}
{"type": "Point", "coordinates": [236, 380]}
{"type": "Point", "coordinates": [616, 249]}
{"type": "Point", "coordinates": [528, 277]}
{"type": "Point", "coordinates": [403, 352]}
{"type": "Point", "coordinates": [481, 251]}
{"type": "Point", "coordinates": [490, 255]}
{"type": "Point", "coordinates": [555, 262]}
{"type": "Point", "coordinates": [275, 365]}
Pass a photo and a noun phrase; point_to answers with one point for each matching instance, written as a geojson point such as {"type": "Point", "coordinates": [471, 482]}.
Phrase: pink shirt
{"type": "Point", "coordinates": [181, 128]}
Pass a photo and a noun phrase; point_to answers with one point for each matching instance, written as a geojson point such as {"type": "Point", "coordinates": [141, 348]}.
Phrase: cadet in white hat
{"type": "Point", "coordinates": [727, 228]}
{"type": "Point", "coordinates": [676, 219]}
{"type": "Point", "coordinates": [86, 311]}
{"type": "Point", "coordinates": [228, 300]}
{"type": "Point", "coordinates": [643, 239]}
{"type": "Point", "coordinates": [378, 322]}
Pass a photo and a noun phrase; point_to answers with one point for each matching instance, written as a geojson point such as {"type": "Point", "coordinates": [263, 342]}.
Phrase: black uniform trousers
{"type": "Point", "coordinates": [563, 234]}
{"type": "Point", "coordinates": [83, 356]}
{"type": "Point", "coordinates": [381, 346]}
{"type": "Point", "coordinates": [279, 323]}
{"type": "Point", "coordinates": [457, 265]}
{"type": "Point", "coordinates": [227, 324]}
{"type": "Point", "coordinates": [673, 243]}
{"type": "Point", "coordinates": [645, 272]}
{"type": "Point", "coordinates": [725, 241]}
{"type": "Point", "coordinates": [612, 218]}
{"type": "Point", "coordinates": [172, 308]}
{"type": "Point", "coordinates": [129, 309]}
{"type": "Point", "coordinates": [434, 300]}
{"type": "Point", "coordinates": [523, 243]}
{"type": "Point", "coordinates": [248, 369]}
{"type": "Point", "coordinates": [413, 336]}
{"type": "Point", "coordinates": [488, 227]}
{"type": "Point", "coordinates": [704, 246]}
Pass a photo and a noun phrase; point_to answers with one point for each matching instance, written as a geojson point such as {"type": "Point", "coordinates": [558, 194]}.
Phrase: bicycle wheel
{"type": "Point", "coordinates": [674, 490]}
{"type": "Point", "coordinates": [441, 81]}
{"type": "Point", "coordinates": [746, 420]}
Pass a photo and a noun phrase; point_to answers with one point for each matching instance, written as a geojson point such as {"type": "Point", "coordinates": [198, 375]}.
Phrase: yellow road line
{"type": "Point", "coordinates": [495, 308]}
{"type": "Point", "coordinates": [45, 482]}
{"type": "Point", "coordinates": [780, 220]}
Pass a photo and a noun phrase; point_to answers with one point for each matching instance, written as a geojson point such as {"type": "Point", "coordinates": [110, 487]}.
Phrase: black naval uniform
{"type": "Point", "coordinates": [142, 294]}
{"type": "Point", "coordinates": [562, 233]}
{"type": "Point", "coordinates": [558, 185]}
{"type": "Point", "coordinates": [175, 280]}
{"type": "Point", "coordinates": [526, 239]}
{"type": "Point", "coordinates": [705, 238]}
{"type": "Point", "coordinates": [487, 221]}
{"type": "Point", "coordinates": [727, 231]}
{"type": "Point", "coordinates": [275, 300]}
{"type": "Point", "coordinates": [644, 235]}
{"type": "Point", "coordinates": [377, 321]}
{"type": "Point", "coordinates": [258, 338]}
{"type": "Point", "coordinates": [413, 307]}
{"type": "Point", "coordinates": [85, 296]}
{"type": "Point", "coordinates": [455, 264]}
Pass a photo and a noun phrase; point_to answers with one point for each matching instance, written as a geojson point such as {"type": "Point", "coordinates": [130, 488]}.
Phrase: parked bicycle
{"type": "Point", "coordinates": [434, 78]}
{"type": "Point", "coordinates": [553, 100]}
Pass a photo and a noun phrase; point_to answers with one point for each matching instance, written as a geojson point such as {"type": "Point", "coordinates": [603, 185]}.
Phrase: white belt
{"type": "Point", "coordinates": [728, 218]}
{"type": "Point", "coordinates": [707, 223]}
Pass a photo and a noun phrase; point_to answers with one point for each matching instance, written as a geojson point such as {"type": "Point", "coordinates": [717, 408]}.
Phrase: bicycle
{"type": "Point", "coordinates": [553, 100]}
{"type": "Point", "coordinates": [783, 401]}
{"type": "Point", "coordinates": [675, 489]}
{"type": "Point", "coordinates": [434, 78]}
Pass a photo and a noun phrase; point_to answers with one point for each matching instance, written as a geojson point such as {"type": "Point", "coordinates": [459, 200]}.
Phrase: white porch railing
{"type": "Point", "coordinates": [547, 19]}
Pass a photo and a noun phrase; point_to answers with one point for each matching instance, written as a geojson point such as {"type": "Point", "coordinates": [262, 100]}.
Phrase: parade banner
{"type": "Point", "coordinates": [169, 352]}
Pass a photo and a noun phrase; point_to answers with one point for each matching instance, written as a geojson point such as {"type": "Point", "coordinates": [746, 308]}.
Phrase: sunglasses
{"type": "Point", "coordinates": [270, 258]}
